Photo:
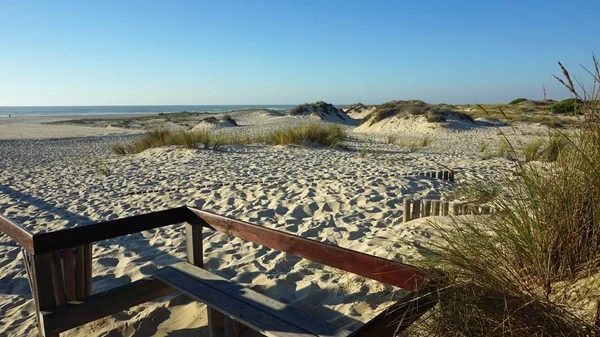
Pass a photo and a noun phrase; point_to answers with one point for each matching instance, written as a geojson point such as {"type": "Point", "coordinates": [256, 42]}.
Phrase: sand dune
{"type": "Point", "coordinates": [351, 198]}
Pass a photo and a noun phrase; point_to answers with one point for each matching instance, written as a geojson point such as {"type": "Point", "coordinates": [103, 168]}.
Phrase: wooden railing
{"type": "Point", "coordinates": [55, 316]}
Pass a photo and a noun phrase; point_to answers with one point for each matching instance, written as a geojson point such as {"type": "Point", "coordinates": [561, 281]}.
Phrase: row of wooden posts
{"type": "Point", "coordinates": [443, 175]}
{"type": "Point", "coordinates": [414, 209]}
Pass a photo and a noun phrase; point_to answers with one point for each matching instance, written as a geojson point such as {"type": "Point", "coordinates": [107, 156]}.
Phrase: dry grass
{"type": "Point", "coordinates": [532, 150]}
{"type": "Point", "coordinates": [514, 273]}
{"type": "Point", "coordinates": [330, 135]}
{"type": "Point", "coordinates": [308, 134]}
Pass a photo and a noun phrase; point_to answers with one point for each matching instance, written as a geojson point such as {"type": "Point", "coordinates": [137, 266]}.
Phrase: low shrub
{"type": "Point", "coordinates": [517, 101]}
{"type": "Point", "coordinates": [564, 107]}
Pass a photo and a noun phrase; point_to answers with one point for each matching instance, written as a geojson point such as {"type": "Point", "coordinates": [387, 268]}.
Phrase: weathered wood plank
{"type": "Point", "coordinates": [72, 237]}
{"type": "Point", "coordinates": [80, 272]}
{"type": "Point", "coordinates": [416, 209]}
{"type": "Point", "coordinates": [57, 278]}
{"type": "Point", "coordinates": [251, 297]}
{"type": "Point", "coordinates": [102, 304]}
{"type": "Point", "coordinates": [254, 316]}
{"type": "Point", "coordinates": [87, 256]}
{"type": "Point", "coordinates": [390, 272]}
{"type": "Point", "coordinates": [42, 290]}
{"type": "Point", "coordinates": [16, 232]}
{"type": "Point", "coordinates": [193, 244]}
{"type": "Point", "coordinates": [69, 274]}
{"type": "Point", "coordinates": [426, 208]}
{"type": "Point", "coordinates": [406, 210]}
{"type": "Point", "coordinates": [216, 323]}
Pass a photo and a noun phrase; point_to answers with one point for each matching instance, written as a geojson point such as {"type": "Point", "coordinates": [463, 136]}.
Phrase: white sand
{"type": "Point", "coordinates": [36, 128]}
{"type": "Point", "coordinates": [335, 196]}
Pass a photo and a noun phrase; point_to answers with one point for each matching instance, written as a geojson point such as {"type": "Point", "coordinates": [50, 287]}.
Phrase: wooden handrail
{"type": "Point", "coordinates": [71, 237]}
{"type": "Point", "coordinates": [17, 233]}
{"type": "Point", "coordinates": [390, 272]}
{"type": "Point", "coordinates": [53, 319]}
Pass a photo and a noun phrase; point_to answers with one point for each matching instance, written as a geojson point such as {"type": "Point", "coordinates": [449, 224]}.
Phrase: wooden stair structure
{"type": "Point", "coordinates": [60, 275]}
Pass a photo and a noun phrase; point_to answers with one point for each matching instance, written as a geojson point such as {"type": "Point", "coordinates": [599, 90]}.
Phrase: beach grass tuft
{"type": "Point", "coordinates": [329, 135]}
{"type": "Point", "coordinates": [532, 267]}
{"type": "Point", "coordinates": [532, 150]}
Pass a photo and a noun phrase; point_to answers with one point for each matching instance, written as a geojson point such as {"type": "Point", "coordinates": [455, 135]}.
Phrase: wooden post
{"type": "Point", "coordinates": [466, 209]}
{"type": "Point", "coordinates": [80, 272]}
{"type": "Point", "coordinates": [455, 208]}
{"type": "Point", "coordinates": [445, 208]}
{"type": "Point", "coordinates": [416, 209]}
{"type": "Point", "coordinates": [446, 175]}
{"type": "Point", "coordinates": [195, 256]}
{"type": "Point", "coordinates": [451, 176]}
{"type": "Point", "coordinates": [238, 329]}
{"type": "Point", "coordinates": [87, 257]}
{"type": "Point", "coordinates": [57, 278]}
{"type": "Point", "coordinates": [42, 291]}
{"type": "Point", "coordinates": [406, 212]}
{"type": "Point", "coordinates": [436, 207]}
{"type": "Point", "coordinates": [69, 274]}
{"type": "Point", "coordinates": [426, 208]}
{"type": "Point", "coordinates": [485, 209]}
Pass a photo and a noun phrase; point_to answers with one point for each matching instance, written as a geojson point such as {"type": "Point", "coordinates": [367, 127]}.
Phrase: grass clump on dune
{"type": "Point", "coordinates": [533, 267]}
{"type": "Point", "coordinates": [532, 150]}
{"type": "Point", "coordinates": [330, 135]}
{"type": "Point", "coordinates": [159, 138]}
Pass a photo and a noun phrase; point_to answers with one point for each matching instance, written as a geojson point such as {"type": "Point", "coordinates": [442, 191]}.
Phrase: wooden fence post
{"type": "Point", "coordinates": [485, 209]}
{"type": "Point", "coordinates": [426, 208]}
{"type": "Point", "coordinates": [455, 208]}
{"type": "Point", "coordinates": [416, 209]}
{"type": "Point", "coordinates": [195, 256]}
{"type": "Point", "coordinates": [435, 205]}
{"type": "Point", "coordinates": [406, 212]}
{"type": "Point", "coordinates": [42, 289]}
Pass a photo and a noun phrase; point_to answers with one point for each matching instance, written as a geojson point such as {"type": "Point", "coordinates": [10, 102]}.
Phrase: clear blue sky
{"type": "Point", "coordinates": [288, 51]}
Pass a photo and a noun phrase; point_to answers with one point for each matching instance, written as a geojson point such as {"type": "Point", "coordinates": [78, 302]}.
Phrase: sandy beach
{"type": "Point", "coordinates": [56, 176]}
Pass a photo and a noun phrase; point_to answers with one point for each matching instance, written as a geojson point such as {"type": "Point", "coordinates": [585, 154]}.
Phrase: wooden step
{"type": "Point", "coordinates": [255, 310]}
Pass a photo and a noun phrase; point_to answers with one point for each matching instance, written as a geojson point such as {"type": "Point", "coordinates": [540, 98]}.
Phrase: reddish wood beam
{"type": "Point", "coordinates": [390, 272]}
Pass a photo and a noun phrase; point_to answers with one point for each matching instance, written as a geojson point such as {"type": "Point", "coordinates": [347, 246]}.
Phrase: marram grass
{"type": "Point", "coordinates": [329, 135]}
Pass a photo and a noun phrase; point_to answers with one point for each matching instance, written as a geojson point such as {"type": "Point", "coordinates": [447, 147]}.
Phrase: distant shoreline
{"type": "Point", "coordinates": [124, 110]}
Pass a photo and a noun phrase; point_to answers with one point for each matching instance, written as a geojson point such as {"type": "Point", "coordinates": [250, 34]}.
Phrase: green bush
{"type": "Point", "coordinates": [517, 101]}
{"type": "Point", "coordinates": [565, 107]}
